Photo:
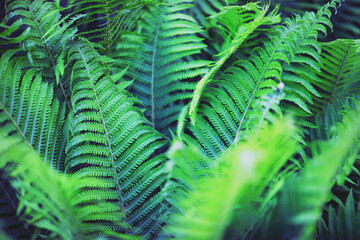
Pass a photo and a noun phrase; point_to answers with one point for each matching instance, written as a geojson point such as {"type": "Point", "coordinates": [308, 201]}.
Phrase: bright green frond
{"type": "Point", "coordinates": [112, 141]}
{"type": "Point", "coordinates": [303, 196]}
{"type": "Point", "coordinates": [29, 110]}
{"type": "Point", "coordinates": [213, 195]}
{"type": "Point", "coordinates": [49, 201]}
{"type": "Point", "coordinates": [238, 22]}
{"type": "Point", "coordinates": [230, 103]}
{"type": "Point", "coordinates": [38, 18]}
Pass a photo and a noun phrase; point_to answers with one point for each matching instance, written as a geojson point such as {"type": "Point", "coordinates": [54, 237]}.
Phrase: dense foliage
{"type": "Point", "coordinates": [195, 119]}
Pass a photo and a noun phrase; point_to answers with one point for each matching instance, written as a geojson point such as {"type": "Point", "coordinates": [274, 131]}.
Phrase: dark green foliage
{"type": "Point", "coordinates": [343, 221]}
{"type": "Point", "coordinates": [11, 223]}
{"type": "Point", "coordinates": [104, 21]}
{"type": "Point", "coordinates": [167, 119]}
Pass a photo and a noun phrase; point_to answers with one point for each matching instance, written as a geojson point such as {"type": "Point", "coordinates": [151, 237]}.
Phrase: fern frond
{"type": "Point", "coordinates": [112, 141]}
{"type": "Point", "coordinates": [230, 103]}
{"type": "Point", "coordinates": [38, 17]}
{"type": "Point", "coordinates": [203, 9]}
{"type": "Point", "coordinates": [52, 207]}
{"type": "Point", "coordinates": [157, 59]}
{"type": "Point", "coordinates": [239, 22]}
{"type": "Point", "coordinates": [301, 200]}
{"type": "Point", "coordinates": [343, 223]}
{"type": "Point", "coordinates": [339, 72]}
{"type": "Point", "coordinates": [108, 19]}
{"type": "Point", "coordinates": [223, 194]}
{"type": "Point", "coordinates": [333, 114]}
{"type": "Point", "coordinates": [28, 109]}
{"type": "Point", "coordinates": [186, 168]}
{"type": "Point", "coordinates": [346, 24]}
{"type": "Point", "coordinates": [10, 222]}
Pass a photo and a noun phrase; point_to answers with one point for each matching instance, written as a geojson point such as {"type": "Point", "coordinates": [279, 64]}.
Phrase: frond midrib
{"type": "Point", "coordinates": [338, 76]}
{"type": "Point", "coordinates": [16, 126]}
{"type": "Point", "coordinates": [153, 68]}
{"type": "Point", "coordinates": [237, 136]}
{"type": "Point", "coordinates": [106, 133]}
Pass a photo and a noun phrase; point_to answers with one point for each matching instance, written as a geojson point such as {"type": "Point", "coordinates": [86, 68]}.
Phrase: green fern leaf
{"type": "Point", "coordinates": [53, 207]}
{"type": "Point", "coordinates": [247, 19]}
{"type": "Point", "coordinates": [303, 195]}
{"type": "Point", "coordinates": [28, 110]}
{"type": "Point", "coordinates": [208, 197]}
{"type": "Point", "coordinates": [340, 71]}
{"type": "Point", "coordinates": [157, 59]}
{"type": "Point", "coordinates": [10, 222]}
{"type": "Point", "coordinates": [342, 224]}
{"type": "Point", "coordinates": [111, 140]}
{"type": "Point", "coordinates": [231, 102]}
{"type": "Point", "coordinates": [38, 17]}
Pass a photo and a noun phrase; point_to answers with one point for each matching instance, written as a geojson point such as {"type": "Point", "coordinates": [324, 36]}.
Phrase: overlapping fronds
{"type": "Point", "coordinates": [228, 193]}
{"type": "Point", "coordinates": [348, 170]}
{"type": "Point", "coordinates": [10, 222]}
{"type": "Point", "coordinates": [89, 87]}
{"type": "Point", "coordinates": [301, 200]}
{"type": "Point", "coordinates": [50, 201]}
{"type": "Point", "coordinates": [304, 62]}
{"type": "Point", "coordinates": [103, 21]}
{"type": "Point", "coordinates": [158, 59]}
{"type": "Point", "coordinates": [346, 24]}
{"type": "Point", "coordinates": [238, 23]}
{"type": "Point", "coordinates": [28, 109]}
{"type": "Point", "coordinates": [339, 72]}
{"type": "Point", "coordinates": [204, 9]}
{"type": "Point", "coordinates": [342, 222]}
{"type": "Point", "coordinates": [290, 53]}
{"type": "Point", "coordinates": [41, 43]}
{"type": "Point", "coordinates": [111, 140]}
{"type": "Point", "coordinates": [186, 169]}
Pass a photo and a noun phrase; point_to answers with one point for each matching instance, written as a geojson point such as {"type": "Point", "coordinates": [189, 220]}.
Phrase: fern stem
{"type": "Point", "coordinates": [153, 70]}
{"type": "Point", "coordinates": [48, 51]}
{"type": "Point", "coordinates": [116, 176]}
{"type": "Point", "coordinates": [107, 28]}
{"type": "Point", "coordinates": [338, 76]}
{"type": "Point", "coordinates": [237, 136]}
{"type": "Point", "coordinates": [16, 126]}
